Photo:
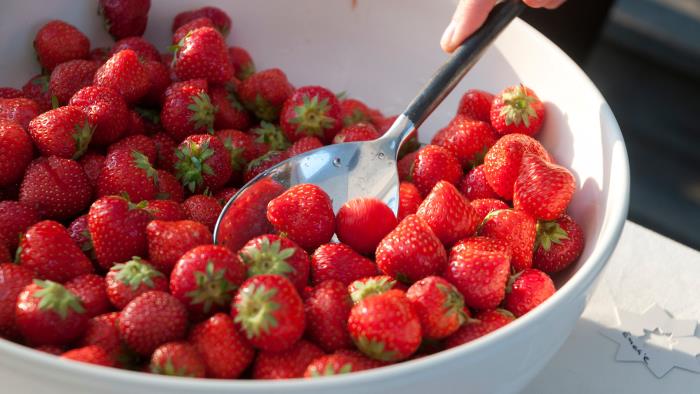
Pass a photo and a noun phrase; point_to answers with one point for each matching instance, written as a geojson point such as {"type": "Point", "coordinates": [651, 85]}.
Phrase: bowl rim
{"type": "Point", "coordinates": [578, 282]}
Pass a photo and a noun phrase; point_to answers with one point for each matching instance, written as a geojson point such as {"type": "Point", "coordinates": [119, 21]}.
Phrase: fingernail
{"type": "Point", "coordinates": [446, 40]}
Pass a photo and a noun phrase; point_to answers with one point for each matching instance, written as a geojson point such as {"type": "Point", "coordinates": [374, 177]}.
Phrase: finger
{"type": "Point", "coordinates": [549, 4]}
{"type": "Point", "coordinates": [552, 4]}
{"type": "Point", "coordinates": [469, 15]}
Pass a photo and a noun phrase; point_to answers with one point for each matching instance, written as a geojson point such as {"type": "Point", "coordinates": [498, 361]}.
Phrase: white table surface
{"type": "Point", "coordinates": [646, 268]}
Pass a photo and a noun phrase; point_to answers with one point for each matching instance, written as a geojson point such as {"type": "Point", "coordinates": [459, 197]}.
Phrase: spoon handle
{"type": "Point", "coordinates": [463, 58]}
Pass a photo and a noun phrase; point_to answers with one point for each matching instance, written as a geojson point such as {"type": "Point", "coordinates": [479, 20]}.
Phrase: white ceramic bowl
{"type": "Point", "coordinates": [382, 52]}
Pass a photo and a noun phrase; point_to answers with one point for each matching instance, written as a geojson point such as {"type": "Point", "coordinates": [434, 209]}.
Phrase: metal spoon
{"type": "Point", "coordinates": [356, 169]}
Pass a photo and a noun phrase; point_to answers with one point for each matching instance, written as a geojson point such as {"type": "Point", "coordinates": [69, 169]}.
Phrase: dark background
{"type": "Point", "coordinates": [644, 56]}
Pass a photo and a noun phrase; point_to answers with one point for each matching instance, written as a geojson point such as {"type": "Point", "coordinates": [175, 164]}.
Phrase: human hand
{"type": "Point", "coordinates": [471, 14]}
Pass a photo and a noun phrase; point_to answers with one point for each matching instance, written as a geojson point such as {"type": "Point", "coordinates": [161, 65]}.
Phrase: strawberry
{"type": "Point", "coordinates": [203, 163]}
{"type": "Point", "coordinates": [169, 188]}
{"type": "Point", "coordinates": [58, 42]}
{"type": "Point", "coordinates": [483, 323]}
{"type": "Point", "coordinates": [102, 331]}
{"type": "Point", "coordinates": [10, 93]}
{"type": "Point", "coordinates": [272, 254]}
{"type": "Point", "coordinates": [118, 229]}
{"type": "Point", "coordinates": [269, 312]}
{"type": "Point", "coordinates": [13, 279]}
{"type": "Point", "coordinates": [64, 132]}
{"type": "Point", "coordinates": [264, 93]}
{"type": "Point", "coordinates": [90, 354]}
{"type": "Point", "coordinates": [71, 76]}
{"type": "Point", "coordinates": [50, 349]}
{"type": "Point", "coordinates": [517, 109]}
{"type": "Point", "coordinates": [193, 24]}
{"type": "Point", "coordinates": [475, 186]}
{"type": "Point", "coordinates": [224, 195]}
{"type": "Point", "coordinates": [126, 281]}
{"type": "Point", "coordinates": [543, 189]}
{"type": "Point", "coordinates": [92, 163]}
{"type": "Point", "coordinates": [340, 262]}
{"type": "Point", "coordinates": [303, 145]}
{"type": "Point", "coordinates": [80, 234]}
{"type": "Point", "coordinates": [371, 285]}
{"type": "Point", "coordinates": [467, 139]}
{"type": "Point", "coordinates": [448, 213]}
{"type": "Point", "coordinates": [90, 290]}
{"type": "Point", "coordinates": [106, 110]}
{"type": "Point", "coordinates": [225, 351]}
{"type": "Point", "coordinates": [362, 222]}
{"type": "Point", "coordinates": [502, 162]}
{"type": "Point", "coordinates": [99, 54]}
{"type": "Point", "coordinates": [220, 19]}
{"type": "Point", "coordinates": [124, 73]}
{"type": "Point", "coordinates": [439, 306]}
{"type": "Point", "coordinates": [159, 77]}
{"type": "Point", "coordinates": [165, 151]}
{"type": "Point", "coordinates": [168, 241]}
{"type": "Point", "coordinates": [242, 63]}
{"type": "Point", "coordinates": [404, 166]}
{"type": "Point", "coordinates": [433, 164]}
{"type": "Point", "coordinates": [339, 363]}
{"type": "Point", "coordinates": [177, 359]}
{"type": "Point", "coordinates": [559, 243]}
{"type": "Point", "coordinates": [517, 229]}
{"type": "Point", "coordinates": [48, 314]}
{"type": "Point", "coordinates": [48, 250]}
{"type": "Point", "coordinates": [167, 210]}
{"type": "Point", "coordinates": [128, 172]}
{"type": "Point", "coordinates": [411, 251]}
{"type": "Point", "coordinates": [139, 143]}
{"type": "Point", "coordinates": [269, 137]}
{"type": "Point", "coordinates": [526, 290]}
{"type": "Point", "coordinates": [187, 109]}
{"type": "Point", "coordinates": [356, 132]}
{"type": "Point", "coordinates": [484, 206]}
{"type": "Point", "coordinates": [476, 104]}
{"type": "Point", "coordinates": [124, 18]}
{"type": "Point", "coordinates": [202, 54]}
{"type": "Point", "coordinates": [409, 200]}
{"type": "Point", "coordinates": [144, 49]}
{"type": "Point", "coordinates": [287, 364]}
{"type": "Point", "coordinates": [150, 320]}
{"type": "Point", "coordinates": [262, 163]}
{"type": "Point", "coordinates": [327, 310]}
{"type": "Point", "coordinates": [354, 111]}
{"type": "Point", "coordinates": [385, 327]}
{"type": "Point", "coordinates": [230, 113]}
{"type": "Point", "coordinates": [15, 219]}
{"type": "Point", "coordinates": [19, 110]}
{"type": "Point", "coordinates": [241, 147]}
{"type": "Point", "coordinates": [37, 89]}
{"type": "Point", "coordinates": [311, 111]}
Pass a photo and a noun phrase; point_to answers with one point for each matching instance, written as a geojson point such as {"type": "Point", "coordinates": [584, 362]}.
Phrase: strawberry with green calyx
{"type": "Point", "coordinates": [202, 53]}
{"type": "Point", "coordinates": [242, 62]}
{"type": "Point", "coordinates": [90, 290]}
{"type": "Point", "coordinates": [270, 135]}
{"type": "Point", "coordinates": [476, 104]}
{"type": "Point", "coordinates": [230, 113]}
{"type": "Point", "coordinates": [203, 163]}
{"type": "Point", "coordinates": [128, 172]}
{"type": "Point", "coordinates": [264, 93]}
{"type": "Point", "coordinates": [224, 349]}
{"type": "Point", "coordinates": [177, 359]}
{"type": "Point", "coordinates": [218, 17]}
{"type": "Point", "coordinates": [287, 364]}
{"type": "Point", "coordinates": [517, 109]}
{"type": "Point", "coordinates": [262, 163]}
{"type": "Point", "coordinates": [106, 110]}
{"type": "Point", "coordinates": [170, 189]}
{"type": "Point", "coordinates": [484, 206]}
{"type": "Point", "coordinates": [354, 111]}
{"type": "Point", "coordinates": [371, 285]}
{"type": "Point", "coordinates": [182, 31]}
{"type": "Point", "coordinates": [242, 148]}
{"type": "Point", "coordinates": [311, 111]}
{"type": "Point", "coordinates": [126, 281]}
{"type": "Point", "coordinates": [481, 324]}
{"type": "Point", "coordinates": [187, 109]}
{"type": "Point", "coordinates": [273, 254]}
{"type": "Point", "coordinates": [559, 243]}
{"type": "Point", "coordinates": [439, 306]}
{"type": "Point", "coordinates": [140, 143]}
{"type": "Point", "coordinates": [64, 132]}
{"type": "Point", "coordinates": [517, 229]}
{"type": "Point", "coordinates": [543, 189]}
{"type": "Point", "coordinates": [526, 290]}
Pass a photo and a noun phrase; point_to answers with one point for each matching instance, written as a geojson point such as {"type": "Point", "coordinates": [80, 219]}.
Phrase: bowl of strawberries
{"type": "Point", "coordinates": [124, 135]}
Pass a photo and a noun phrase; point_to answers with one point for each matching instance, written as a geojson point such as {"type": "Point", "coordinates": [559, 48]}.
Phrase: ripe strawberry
{"type": "Point", "coordinates": [339, 363]}
{"type": "Point", "coordinates": [167, 210]}
{"type": "Point", "coordinates": [272, 254]}
{"type": "Point", "coordinates": [502, 162]}
{"type": "Point", "coordinates": [287, 364]}
{"type": "Point", "coordinates": [99, 54]}
{"type": "Point", "coordinates": [224, 349]}
{"type": "Point", "coordinates": [102, 332]}
{"type": "Point", "coordinates": [411, 251]}
{"type": "Point", "coordinates": [144, 49]}
{"type": "Point", "coordinates": [433, 164]}
{"type": "Point", "coordinates": [339, 262]}
{"type": "Point", "coordinates": [370, 285]}
{"type": "Point", "coordinates": [220, 19]}
{"type": "Point", "coordinates": [177, 359]}
{"type": "Point", "coordinates": [187, 109]}
{"type": "Point", "coordinates": [526, 290]}
{"type": "Point", "coordinates": [165, 151]}
{"type": "Point", "coordinates": [106, 110]}
{"type": "Point", "coordinates": [124, 18]}
{"type": "Point", "coordinates": [241, 146]}
{"type": "Point", "coordinates": [128, 172]}
{"type": "Point", "coordinates": [356, 132]}
{"type": "Point", "coordinates": [304, 144]}
{"type": "Point", "coordinates": [203, 163]}
{"type": "Point", "coordinates": [64, 132]}
{"type": "Point", "coordinates": [124, 73]}
{"type": "Point", "coordinates": [90, 290]}
{"type": "Point", "coordinates": [362, 222]}
{"type": "Point", "coordinates": [483, 323]}
{"type": "Point", "coordinates": [202, 54]}
{"type": "Point", "coordinates": [409, 200]}
{"type": "Point", "coordinates": [439, 306]}
{"type": "Point", "coordinates": [559, 243]}
{"type": "Point", "coordinates": [327, 310]}
{"type": "Point", "coordinates": [225, 194]}
{"type": "Point", "coordinates": [484, 206]}
{"type": "Point", "coordinates": [80, 234]}
{"type": "Point", "coordinates": [168, 241]}
{"type": "Point", "coordinates": [159, 77]}
{"type": "Point", "coordinates": [58, 42]}
{"type": "Point", "coordinates": [262, 163]}
{"type": "Point", "coordinates": [10, 93]}
{"type": "Point", "coordinates": [517, 109]}
{"type": "Point", "coordinates": [170, 189]}
{"type": "Point", "coordinates": [13, 279]}
{"type": "Point", "coordinates": [5, 253]}
{"type": "Point", "coordinates": [71, 76]}
{"type": "Point", "coordinates": [517, 229]}
{"type": "Point", "coordinates": [476, 104]}
{"type": "Point", "coordinates": [37, 89]}
{"type": "Point", "coordinates": [48, 250]}
{"type": "Point", "coordinates": [405, 165]}
{"type": "Point", "coordinates": [354, 111]}
{"type": "Point", "coordinates": [242, 63]}
{"type": "Point", "coordinates": [269, 311]}
{"type": "Point", "coordinates": [230, 113]}
{"type": "Point", "coordinates": [305, 213]}
{"type": "Point", "coordinates": [448, 213]}
{"type": "Point", "coordinates": [49, 314]}
{"type": "Point", "coordinates": [19, 110]}
{"type": "Point", "coordinates": [475, 186]}
{"type": "Point", "coordinates": [118, 229]}
{"type": "Point", "coordinates": [467, 139]}
{"type": "Point", "coordinates": [90, 354]}
{"type": "Point", "coordinates": [311, 111]}
{"type": "Point", "coordinates": [15, 219]}
{"type": "Point", "coordinates": [543, 189]}
{"type": "Point", "coordinates": [92, 163]}
{"type": "Point", "coordinates": [264, 93]}
{"type": "Point", "coordinates": [193, 24]}
{"type": "Point", "coordinates": [126, 281]}
{"type": "Point", "coordinates": [269, 137]}
{"type": "Point", "coordinates": [385, 327]}
{"type": "Point", "coordinates": [139, 143]}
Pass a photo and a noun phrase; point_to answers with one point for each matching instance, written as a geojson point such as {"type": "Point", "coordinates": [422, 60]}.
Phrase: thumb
{"type": "Point", "coordinates": [469, 15]}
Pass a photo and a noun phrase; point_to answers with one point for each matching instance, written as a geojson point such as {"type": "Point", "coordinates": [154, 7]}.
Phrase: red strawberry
{"type": "Point", "coordinates": [102, 331]}
{"type": "Point", "coordinates": [99, 54]}
{"type": "Point", "coordinates": [269, 311]}
{"type": "Point", "coordinates": [13, 279]}
{"type": "Point", "coordinates": [242, 63]}
{"type": "Point", "coordinates": [354, 111]}
{"type": "Point", "coordinates": [202, 54]}
{"type": "Point", "coordinates": [411, 251]}
{"type": "Point", "coordinates": [242, 148]}
{"type": "Point", "coordinates": [448, 213]}
{"type": "Point", "coordinates": [124, 73]}
{"type": "Point", "coordinates": [263, 163]}
{"type": "Point", "coordinates": [356, 132]}
{"type": "Point", "coordinates": [92, 163]}
{"type": "Point", "coordinates": [165, 151]}
{"type": "Point", "coordinates": [225, 194]}
{"type": "Point", "coordinates": [484, 206]}
{"type": "Point", "coordinates": [362, 222]}
{"type": "Point", "coordinates": [80, 234]}
{"type": "Point", "coordinates": [126, 281]}
{"type": "Point", "coordinates": [48, 250]}
{"type": "Point", "coordinates": [287, 364]}
{"type": "Point", "coordinates": [168, 241]}
{"type": "Point", "coordinates": [224, 349]}
{"type": "Point", "coordinates": [467, 139]}
{"type": "Point", "coordinates": [272, 254]}
{"type": "Point", "coordinates": [49, 314]}
{"type": "Point", "coordinates": [167, 210]}
{"type": "Point", "coordinates": [405, 165]}
{"type": "Point", "coordinates": [409, 200]}
{"type": "Point", "coordinates": [20, 110]}
{"type": "Point", "coordinates": [543, 189]}
{"type": "Point", "coordinates": [203, 163]}
{"type": "Point", "coordinates": [220, 19]}
{"type": "Point", "coordinates": [502, 162]}
{"type": "Point", "coordinates": [339, 363]}
{"type": "Point", "coordinates": [144, 49]}
{"type": "Point", "coordinates": [139, 143]}
{"type": "Point", "coordinates": [177, 359]}
{"type": "Point", "coordinates": [58, 42]}
{"type": "Point", "coordinates": [433, 164]}
{"type": "Point", "coordinates": [90, 290]}
{"type": "Point", "coordinates": [124, 18]}
{"type": "Point", "coordinates": [479, 269]}
{"type": "Point", "coordinates": [230, 112]}
{"type": "Point", "coordinates": [338, 261]}
{"type": "Point", "coordinates": [311, 111]}
{"type": "Point", "coordinates": [106, 110]}
{"type": "Point", "coordinates": [269, 137]}
{"type": "Point", "coordinates": [483, 323]}
{"type": "Point", "coordinates": [15, 219]}
{"type": "Point", "coordinates": [476, 104]}
{"type": "Point", "coordinates": [10, 93]}
{"type": "Point", "coordinates": [327, 310]}
{"type": "Point", "coordinates": [385, 327]}
{"type": "Point", "coordinates": [37, 89]}
{"type": "Point", "coordinates": [517, 109]}
{"type": "Point", "coordinates": [169, 188]}
{"type": "Point", "coordinates": [559, 243]}
{"type": "Point", "coordinates": [526, 290]}
{"type": "Point", "coordinates": [439, 306]}
{"type": "Point", "coordinates": [206, 277]}
{"type": "Point", "coordinates": [193, 24]}
{"type": "Point", "coordinates": [370, 285]}
{"type": "Point", "coordinates": [118, 230]}
{"type": "Point", "coordinates": [517, 229]}
{"type": "Point", "coordinates": [304, 144]}
{"type": "Point", "coordinates": [5, 253]}
{"type": "Point", "coordinates": [64, 132]}
{"type": "Point", "coordinates": [264, 93]}
{"type": "Point", "coordinates": [50, 349]}
{"type": "Point", "coordinates": [187, 109]}
{"type": "Point", "coordinates": [159, 77]}
{"type": "Point", "coordinates": [71, 76]}
{"type": "Point", "coordinates": [475, 186]}
{"type": "Point", "coordinates": [91, 355]}
{"type": "Point", "coordinates": [128, 172]}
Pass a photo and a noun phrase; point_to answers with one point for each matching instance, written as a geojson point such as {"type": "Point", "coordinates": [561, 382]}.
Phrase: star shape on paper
{"type": "Point", "coordinates": [656, 339]}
